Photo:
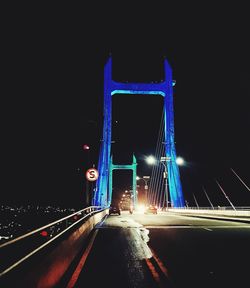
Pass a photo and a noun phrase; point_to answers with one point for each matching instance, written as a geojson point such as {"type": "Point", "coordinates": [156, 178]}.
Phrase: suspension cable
{"type": "Point", "coordinates": [156, 185]}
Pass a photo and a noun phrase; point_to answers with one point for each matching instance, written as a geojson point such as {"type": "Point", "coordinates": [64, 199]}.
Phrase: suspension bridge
{"type": "Point", "coordinates": [176, 247]}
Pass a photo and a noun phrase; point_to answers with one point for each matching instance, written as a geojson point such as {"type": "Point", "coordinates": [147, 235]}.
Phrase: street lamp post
{"type": "Point", "coordinates": [87, 193]}
{"type": "Point", "coordinates": [145, 179]}
{"type": "Point", "coordinates": [152, 160]}
{"type": "Point", "coordinates": [164, 161]}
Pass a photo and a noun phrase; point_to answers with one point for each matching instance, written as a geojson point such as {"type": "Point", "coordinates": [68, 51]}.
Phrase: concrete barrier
{"type": "Point", "coordinates": [47, 270]}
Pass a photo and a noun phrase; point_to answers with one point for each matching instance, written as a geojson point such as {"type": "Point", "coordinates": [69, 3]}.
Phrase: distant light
{"type": "Point", "coordinates": [138, 178]}
{"type": "Point", "coordinates": [151, 160]}
{"type": "Point", "coordinates": [85, 147]}
{"type": "Point", "coordinates": [44, 233]}
{"type": "Point", "coordinates": [141, 208]}
{"type": "Point", "coordinates": [180, 161]}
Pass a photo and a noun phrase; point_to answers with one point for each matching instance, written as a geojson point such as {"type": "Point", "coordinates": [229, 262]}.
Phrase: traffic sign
{"type": "Point", "coordinates": [92, 174]}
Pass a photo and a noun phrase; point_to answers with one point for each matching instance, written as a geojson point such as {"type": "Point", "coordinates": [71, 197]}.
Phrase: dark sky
{"type": "Point", "coordinates": [52, 96]}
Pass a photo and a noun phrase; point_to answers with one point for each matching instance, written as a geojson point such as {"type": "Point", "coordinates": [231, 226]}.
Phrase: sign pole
{"type": "Point", "coordinates": [92, 175]}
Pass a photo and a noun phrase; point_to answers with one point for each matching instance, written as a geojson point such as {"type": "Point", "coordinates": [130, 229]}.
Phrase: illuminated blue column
{"type": "Point", "coordinates": [101, 191]}
{"type": "Point", "coordinates": [175, 188]}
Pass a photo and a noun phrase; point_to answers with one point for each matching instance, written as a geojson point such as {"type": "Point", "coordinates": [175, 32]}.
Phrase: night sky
{"type": "Point", "coordinates": [52, 98]}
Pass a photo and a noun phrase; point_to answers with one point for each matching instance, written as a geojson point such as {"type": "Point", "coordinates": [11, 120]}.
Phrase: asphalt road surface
{"type": "Point", "coordinates": [164, 250]}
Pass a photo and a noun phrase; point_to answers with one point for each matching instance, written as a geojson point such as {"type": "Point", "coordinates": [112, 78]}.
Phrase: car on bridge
{"type": "Point", "coordinates": [114, 209]}
{"type": "Point", "coordinates": [151, 209]}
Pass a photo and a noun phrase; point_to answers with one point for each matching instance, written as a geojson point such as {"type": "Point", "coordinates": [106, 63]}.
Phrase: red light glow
{"type": "Point", "coordinates": [44, 233]}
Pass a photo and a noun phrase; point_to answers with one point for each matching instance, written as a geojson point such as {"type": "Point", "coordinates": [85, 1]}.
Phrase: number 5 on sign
{"type": "Point", "coordinates": [92, 174]}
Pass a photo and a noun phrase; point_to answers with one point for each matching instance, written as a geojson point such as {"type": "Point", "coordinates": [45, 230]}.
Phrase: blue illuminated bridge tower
{"type": "Point", "coordinates": [103, 189]}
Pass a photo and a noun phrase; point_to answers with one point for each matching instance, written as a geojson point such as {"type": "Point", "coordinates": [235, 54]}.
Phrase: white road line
{"type": "Point", "coordinates": [199, 227]}
{"type": "Point", "coordinates": [207, 229]}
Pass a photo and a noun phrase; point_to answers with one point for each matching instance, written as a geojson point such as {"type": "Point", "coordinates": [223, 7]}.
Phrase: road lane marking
{"type": "Point", "coordinates": [198, 227]}
{"type": "Point", "coordinates": [208, 229]}
{"type": "Point", "coordinates": [169, 227]}
{"type": "Point", "coordinates": [81, 263]}
{"type": "Point", "coordinates": [154, 273]}
{"type": "Point", "coordinates": [161, 279]}
{"type": "Point", "coordinates": [160, 263]}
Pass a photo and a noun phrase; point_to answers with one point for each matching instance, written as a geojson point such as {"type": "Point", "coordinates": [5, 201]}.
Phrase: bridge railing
{"type": "Point", "coordinates": [225, 211]}
{"type": "Point", "coordinates": [241, 208]}
{"type": "Point", "coordinates": [17, 250]}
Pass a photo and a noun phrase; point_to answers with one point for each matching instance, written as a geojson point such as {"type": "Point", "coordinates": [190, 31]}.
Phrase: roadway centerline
{"type": "Point", "coordinates": [160, 264]}
{"type": "Point", "coordinates": [153, 272]}
{"type": "Point", "coordinates": [162, 278]}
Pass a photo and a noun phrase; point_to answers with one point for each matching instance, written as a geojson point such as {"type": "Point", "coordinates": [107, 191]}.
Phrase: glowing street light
{"type": "Point", "coordinates": [180, 161]}
{"type": "Point", "coordinates": [151, 160]}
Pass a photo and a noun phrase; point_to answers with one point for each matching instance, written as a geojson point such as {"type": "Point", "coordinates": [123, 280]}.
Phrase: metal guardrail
{"type": "Point", "coordinates": [24, 246]}
{"type": "Point", "coordinates": [239, 213]}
